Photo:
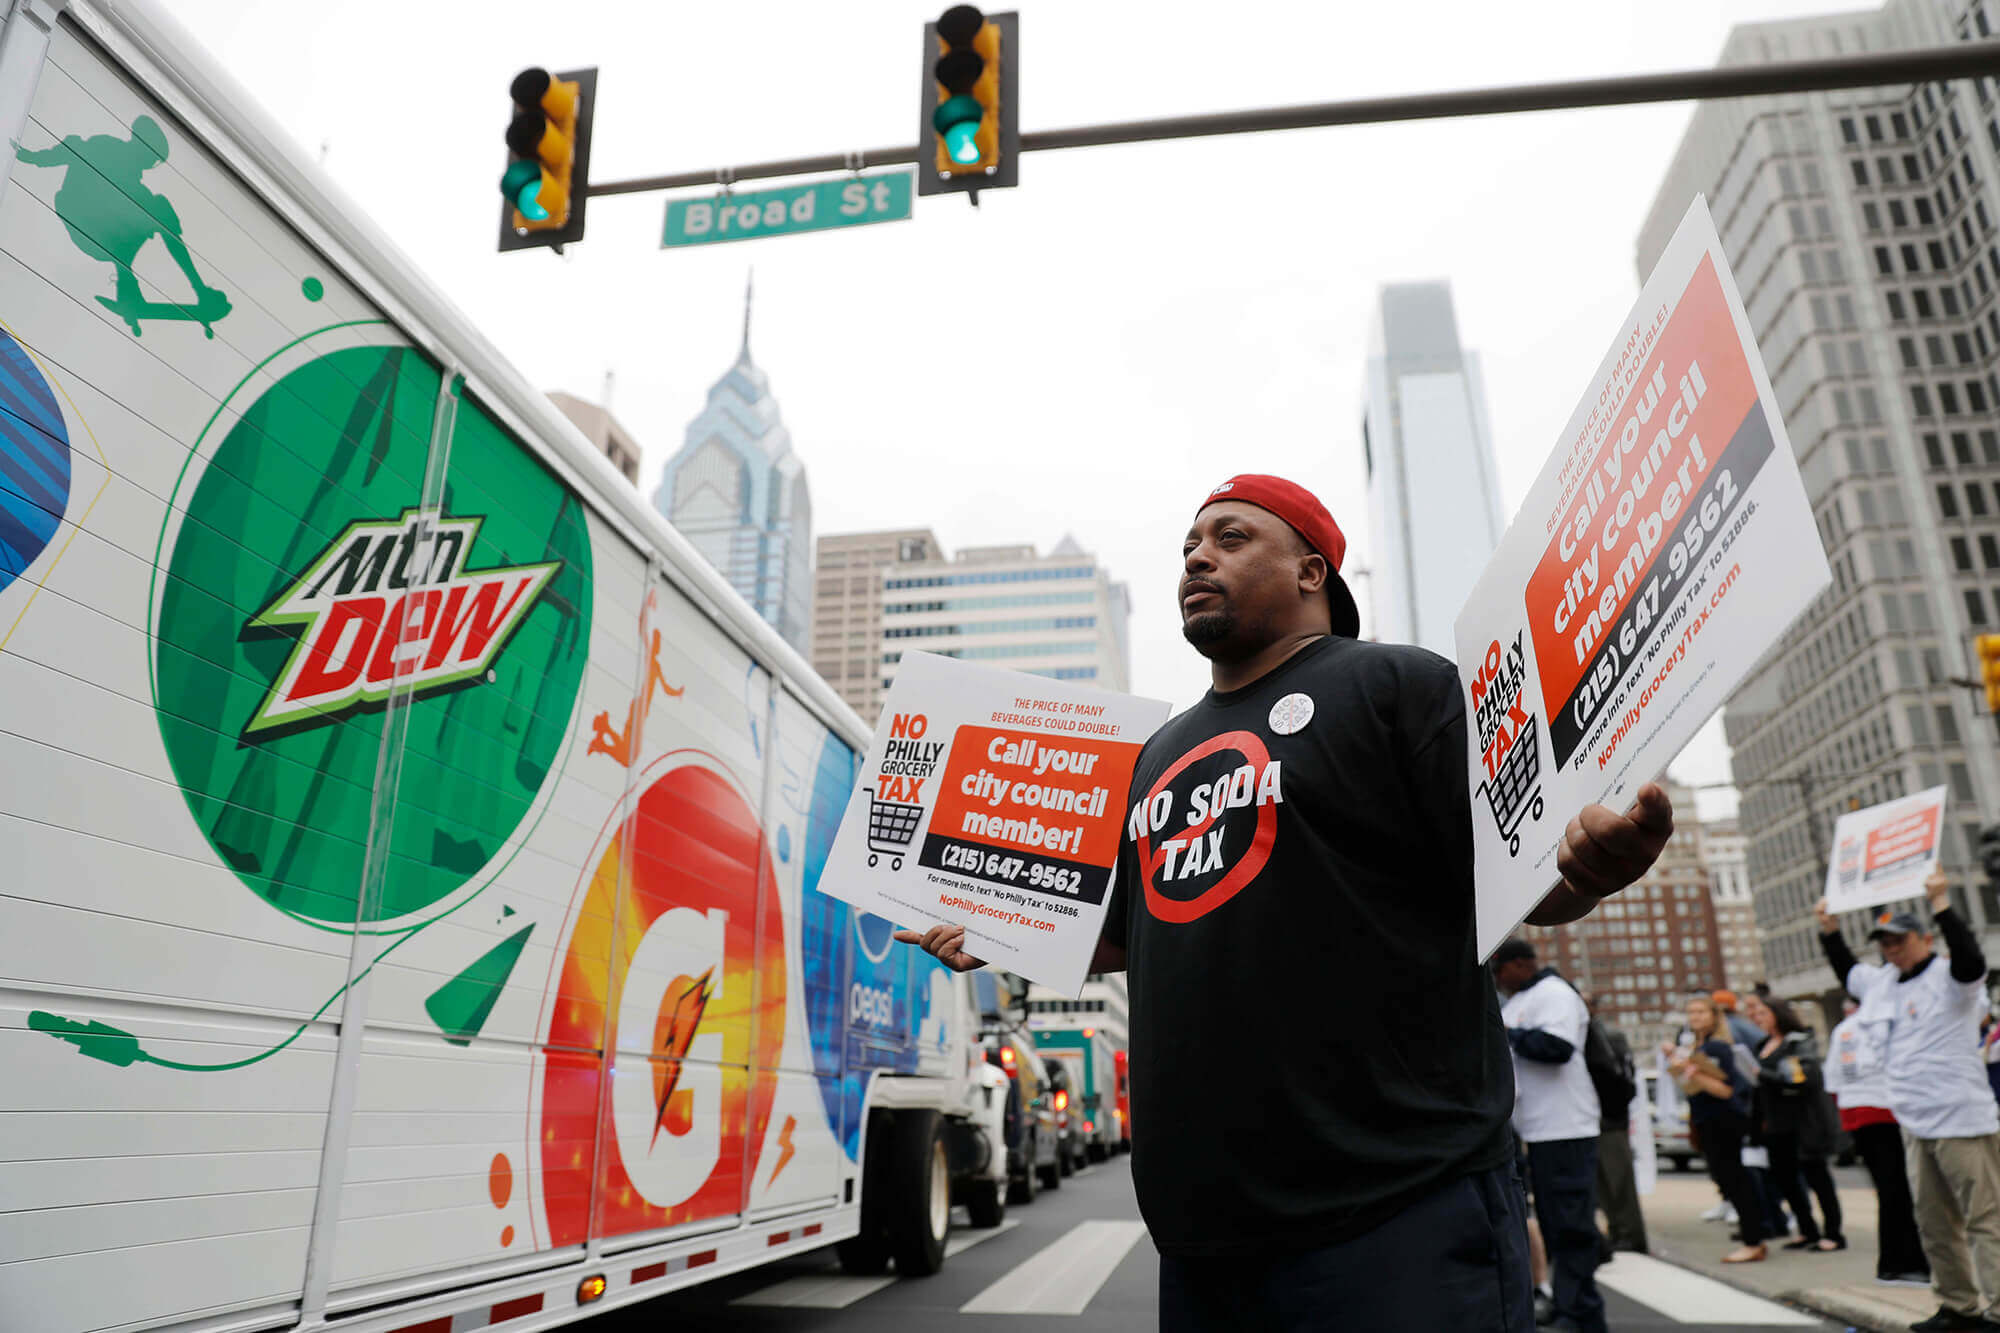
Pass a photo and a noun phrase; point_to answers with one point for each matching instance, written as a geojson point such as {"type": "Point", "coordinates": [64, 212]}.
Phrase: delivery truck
{"type": "Point", "coordinates": [410, 845]}
{"type": "Point", "coordinates": [1097, 1118]}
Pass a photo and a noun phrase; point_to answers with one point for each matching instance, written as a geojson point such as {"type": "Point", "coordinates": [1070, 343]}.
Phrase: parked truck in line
{"type": "Point", "coordinates": [412, 844]}
{"type": "Point", "coordinates": [1095, 1082]}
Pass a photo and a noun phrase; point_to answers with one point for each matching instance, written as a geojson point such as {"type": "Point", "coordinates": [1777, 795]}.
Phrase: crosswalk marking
{"type": "Point", "coordinates": [965, 1240]}
{"type": "Point", "coordinates": [817, 1291]}
{"type": "Point", "coordinates": [1687, 1297]}
{"type": "Point", "coordinates": [1060, 1278]}
{"type": "Point", "coordinates": [831, 1289]}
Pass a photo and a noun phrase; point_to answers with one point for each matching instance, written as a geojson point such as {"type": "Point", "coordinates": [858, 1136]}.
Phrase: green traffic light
{"type": "Point", "coordinates": [521, 183]}
{"type": "Point", "coordinates": [961, 142]}
{"type": "Point", "coordinates": [957, 119]}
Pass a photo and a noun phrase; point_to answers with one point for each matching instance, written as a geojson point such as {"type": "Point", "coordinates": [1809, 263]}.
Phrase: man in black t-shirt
{"type": "Point", "coordinates": [1299, 843]}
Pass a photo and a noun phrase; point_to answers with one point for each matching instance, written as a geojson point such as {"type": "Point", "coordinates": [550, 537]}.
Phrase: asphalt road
{"type": "Point", "coordinates": [1080, 1254]}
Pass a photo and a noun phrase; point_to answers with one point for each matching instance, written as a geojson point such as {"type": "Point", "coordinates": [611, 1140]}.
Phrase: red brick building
{"type": "Point", "coordinates": [1647, 949]}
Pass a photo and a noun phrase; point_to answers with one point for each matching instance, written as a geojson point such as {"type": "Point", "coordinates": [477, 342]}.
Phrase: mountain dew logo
{"type": "Point", "coordinates": [388, 604]}
{"type": "Point", "coordinates": [300, 578]}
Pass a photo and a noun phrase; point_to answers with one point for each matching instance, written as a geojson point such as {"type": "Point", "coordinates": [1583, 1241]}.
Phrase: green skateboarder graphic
{"type": "Point", "coordinates": [111, 215]}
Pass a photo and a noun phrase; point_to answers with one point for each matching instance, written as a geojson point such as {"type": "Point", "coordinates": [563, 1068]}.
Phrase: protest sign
{"type": "Point", "coordinates": [993, 800]}
{"type": "Point", "coordinates": [1665, 546]}
{"type": "Point", "coordinates": [1884, 852]}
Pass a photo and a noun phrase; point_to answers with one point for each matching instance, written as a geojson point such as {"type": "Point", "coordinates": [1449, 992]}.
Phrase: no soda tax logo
{"type": "Point", "coordinates": [1202, 846]}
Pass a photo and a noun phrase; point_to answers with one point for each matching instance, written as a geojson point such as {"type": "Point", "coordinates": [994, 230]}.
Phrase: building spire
{"type": "Point", "coordinates": [749, 282]}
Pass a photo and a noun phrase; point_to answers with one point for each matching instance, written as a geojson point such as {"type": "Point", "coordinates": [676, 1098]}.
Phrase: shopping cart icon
{"type": "Point", "coordinates": [1516, 789]}
{"type": "Point", "coordinates": [891, 826]}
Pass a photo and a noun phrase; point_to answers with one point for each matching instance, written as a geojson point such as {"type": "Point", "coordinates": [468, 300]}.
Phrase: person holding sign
{"type": "Point", "coordinates": [1855, 1076]}
{"type": "Point", "coordinates": [1928, 1009]}
{"type": "Point", "coordinates": [1313, 809]}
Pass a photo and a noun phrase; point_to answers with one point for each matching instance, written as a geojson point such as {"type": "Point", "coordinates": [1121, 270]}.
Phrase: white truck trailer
{"type": "Point", "coordinates": [409, 846]}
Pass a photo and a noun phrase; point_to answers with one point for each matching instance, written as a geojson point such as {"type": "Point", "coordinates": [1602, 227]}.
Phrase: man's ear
{"type": "Point", "coordinates": [1313, 572]}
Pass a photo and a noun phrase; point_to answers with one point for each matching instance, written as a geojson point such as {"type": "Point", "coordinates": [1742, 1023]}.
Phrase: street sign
{"type": "Point", "coordinates": [848, 202]}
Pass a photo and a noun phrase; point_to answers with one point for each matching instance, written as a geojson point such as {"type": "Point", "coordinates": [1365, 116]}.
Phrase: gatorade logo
{"type": "Point", "coordinates": [390, 602]}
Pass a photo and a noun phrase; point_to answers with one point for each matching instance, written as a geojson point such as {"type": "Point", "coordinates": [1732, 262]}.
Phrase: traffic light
{"type": "Point", "coordinates": [1989, 669]}
{"type": "Point", "coordinates": [970, 105]}
{"type": "Point", "coordinates": [966, 123]}
{"type": "Point", "coordinates": [548, 157]}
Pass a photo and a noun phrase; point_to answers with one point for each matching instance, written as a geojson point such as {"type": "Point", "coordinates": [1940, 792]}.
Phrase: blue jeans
{"type": "Point", "coordinates": [1456, 1260]}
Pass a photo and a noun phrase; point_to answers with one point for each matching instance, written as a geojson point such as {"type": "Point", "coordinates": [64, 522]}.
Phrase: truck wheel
{"type": "Point", "coordinates": [1064, 1164]}
{"type": "Point", "coordinates": [1096, 1152]}
{"type": "Point", "coordinates": [986, 1203]}
{"type": "Point", "coordinates": [919, 1204]}
{"type": "Point", "coordinates": [1051, 1174]}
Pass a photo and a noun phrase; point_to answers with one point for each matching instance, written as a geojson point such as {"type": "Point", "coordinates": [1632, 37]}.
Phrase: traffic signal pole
{"type": "Point", "coordinates": [1960, 60]}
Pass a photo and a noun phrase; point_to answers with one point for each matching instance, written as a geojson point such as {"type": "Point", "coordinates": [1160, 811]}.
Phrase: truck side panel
{"type": "Point", "coordinates": [167, 1034]}
{"type": "Point", "coordinates": [310, 660]}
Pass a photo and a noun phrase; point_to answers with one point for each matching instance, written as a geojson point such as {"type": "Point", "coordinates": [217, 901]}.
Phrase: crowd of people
{"type": "Point", "coordinates": [1910, 1080]}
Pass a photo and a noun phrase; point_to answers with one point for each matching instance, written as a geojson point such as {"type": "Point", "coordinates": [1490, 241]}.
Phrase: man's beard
{"type": "Point", "coordinates": [1207, 629]}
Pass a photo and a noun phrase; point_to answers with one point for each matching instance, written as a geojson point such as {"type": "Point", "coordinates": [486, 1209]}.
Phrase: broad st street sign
{"type": "Point", "coordinates": [846, 202]}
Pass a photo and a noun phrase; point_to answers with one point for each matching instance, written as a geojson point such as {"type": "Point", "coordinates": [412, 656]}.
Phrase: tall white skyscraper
{"type": "Point", "coordinates": [1433, 491]}
{"type": "Point", "coordinates": [1861, 228]}
{"type": "Point", "coordinates": [738, 492]}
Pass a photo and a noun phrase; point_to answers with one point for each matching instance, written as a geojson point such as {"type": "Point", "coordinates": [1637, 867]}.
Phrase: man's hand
{"type": "Point", "coordinates": [1938, 889]}
{"type": "Point", "coordinates": [1603, 852]}
{"type": "Point", "coordinates": [1828, 923]}
{"type": "Point", "coordinates": [946, 944]}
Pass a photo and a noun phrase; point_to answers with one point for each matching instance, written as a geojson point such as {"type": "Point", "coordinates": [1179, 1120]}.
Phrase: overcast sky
{"type": "Point", "coordinates": [1089, 353]}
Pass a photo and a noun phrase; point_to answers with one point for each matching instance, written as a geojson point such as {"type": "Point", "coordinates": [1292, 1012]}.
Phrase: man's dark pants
{"type": "Point", "coordinates": [1564, 1175]}
{"type": "Point", "coordinates": [1618, 1191]}
{"type": "Point", "coordinates": [1455, 1260]}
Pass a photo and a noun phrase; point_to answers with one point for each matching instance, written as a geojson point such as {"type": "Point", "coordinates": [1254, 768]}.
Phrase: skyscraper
{"type": "Point", "coordinates": [1059, 615]}
{"type": "Point", "coordinates": [847, 608]}
{"type": "Point", "coordinates": [1433, 492]}
{"type": "Point", "coordinates": [738, 492]}
{"type": "Point", "coordinates": [1860, 225]}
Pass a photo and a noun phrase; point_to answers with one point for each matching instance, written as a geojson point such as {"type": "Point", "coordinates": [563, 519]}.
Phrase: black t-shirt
{"type": "Point", "coordinates": [1314, 1041]}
